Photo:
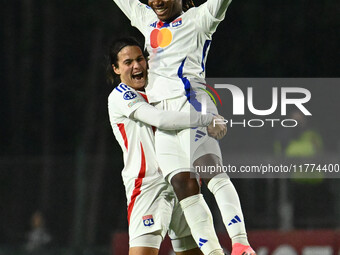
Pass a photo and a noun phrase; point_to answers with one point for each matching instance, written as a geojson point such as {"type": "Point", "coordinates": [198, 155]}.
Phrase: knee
{"type": "Point", "coordinates": [209, 160]}
{"type": "Point", "coordinates": [184, 185]}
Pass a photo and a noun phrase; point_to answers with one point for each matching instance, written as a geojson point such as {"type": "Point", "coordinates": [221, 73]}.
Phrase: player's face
{"type": "Point", "coordinates": [166, 10]}
{"type": "Point", "coordinates": [132, 67]}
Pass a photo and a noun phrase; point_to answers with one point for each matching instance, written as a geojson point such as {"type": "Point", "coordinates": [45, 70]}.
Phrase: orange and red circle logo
{"type": "Point", "coordinates": [160, 38]}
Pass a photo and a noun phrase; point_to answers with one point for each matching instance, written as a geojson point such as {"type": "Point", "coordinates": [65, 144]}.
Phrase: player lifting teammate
{"type": "Point", "coordinates": [152, 207]}
{"type": "Point", "coordinates": [178, 43]}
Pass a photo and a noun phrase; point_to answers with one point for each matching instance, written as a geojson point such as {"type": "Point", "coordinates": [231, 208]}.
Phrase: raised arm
{"type": "Point", "coordinates": [127, 6]}
{"type": "Point", "coordinates": [218, 8]}
{"type": "Point", "coordinates": [211, 13]}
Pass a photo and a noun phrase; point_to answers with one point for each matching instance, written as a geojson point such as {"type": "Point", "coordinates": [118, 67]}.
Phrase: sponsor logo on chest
{"type": "Point", "coordinates": [162, 34]}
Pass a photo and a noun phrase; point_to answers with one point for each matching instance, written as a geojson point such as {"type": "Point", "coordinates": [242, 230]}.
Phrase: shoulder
{"type": "Point", "coordinates": [146, 8]}
{"type": "Point", "coordinates": [196, 13]}
{"type": "Point", "coordinates": [144, 12]}
{"type": "Point", "coordinates": [191, 12]}
{"type": "Point", "coordinates": [124, 96]}
{"type": "Point", "coordinates": [124, 92]}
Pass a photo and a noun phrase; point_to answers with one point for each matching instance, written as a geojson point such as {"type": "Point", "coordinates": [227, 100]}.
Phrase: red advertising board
{"type": "Point", "coordinates": [299, 242]}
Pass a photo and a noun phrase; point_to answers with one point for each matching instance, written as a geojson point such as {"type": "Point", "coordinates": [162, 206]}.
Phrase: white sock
{"type": "Point", "coordinates": [199, 218]}
{"type": "Point", "coordinates": [230, 207]}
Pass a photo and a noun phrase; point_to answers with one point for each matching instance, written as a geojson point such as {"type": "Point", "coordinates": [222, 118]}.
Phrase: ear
{"type": "Point", "coordinates": [116, 69]}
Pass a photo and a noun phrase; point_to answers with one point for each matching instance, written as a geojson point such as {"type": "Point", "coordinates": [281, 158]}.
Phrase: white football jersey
{"type": "Point", "coordinates": [136, 140]}
{"type": "Point", "coordinates": [178, 50]}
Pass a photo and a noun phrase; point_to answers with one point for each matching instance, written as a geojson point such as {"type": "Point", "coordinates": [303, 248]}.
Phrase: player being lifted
{"type": "Point", "coordinates": [152, 205]}
{"type": "Point", "coordinates": [178, 43]}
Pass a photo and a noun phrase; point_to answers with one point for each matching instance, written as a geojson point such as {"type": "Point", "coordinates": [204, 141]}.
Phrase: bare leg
{"type": "Point", "coordinates": [208, 160]}
{"type": "Point", "coordinates": [184, 186]}
{"type": "Point", "coordinates": [143, 251]}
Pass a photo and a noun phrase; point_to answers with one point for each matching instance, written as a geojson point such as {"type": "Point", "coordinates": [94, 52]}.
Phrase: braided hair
{"type": "Point", "coordinates": [187, 4]}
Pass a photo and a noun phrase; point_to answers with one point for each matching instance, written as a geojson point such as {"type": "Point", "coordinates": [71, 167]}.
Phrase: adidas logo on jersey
{"type": "Point", "coordinates": [236, 219]}
{"type": "Point", "coordinates": [148, 220]}
{"type": "Point", "coordinates": [175, 23]}
{"type": "Point", "coordinates": [201, 242]}
{"type": "Point", "coordinates": [199, 135]}
{"type": "Point", "coordinates": [153, 24]}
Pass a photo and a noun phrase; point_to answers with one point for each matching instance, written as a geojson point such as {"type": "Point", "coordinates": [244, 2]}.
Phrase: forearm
{"type": "Point", "coordinates": [218, 8]}
{"type": "Point", "coordinates": [126, 6]}
{"type": "Point", "coordinates": [171, 120]}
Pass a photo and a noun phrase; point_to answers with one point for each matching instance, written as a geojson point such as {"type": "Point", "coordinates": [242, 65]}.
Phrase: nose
{"type": "Point", "coordinates": [136, 65]}
{"type": "Point", "coordinates": [156, 2]}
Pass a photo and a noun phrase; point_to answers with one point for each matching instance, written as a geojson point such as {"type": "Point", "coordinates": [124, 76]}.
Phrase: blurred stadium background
{"type": "Point", "coordinates": [60, 165]}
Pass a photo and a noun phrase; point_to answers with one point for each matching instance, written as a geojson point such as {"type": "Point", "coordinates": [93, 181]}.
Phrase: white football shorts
{"type": "Point", "coordinates": [177, 150]}
{"type": "Point", "coordinates": [157, 211]}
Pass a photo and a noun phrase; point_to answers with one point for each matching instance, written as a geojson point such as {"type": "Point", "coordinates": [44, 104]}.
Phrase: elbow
{"type": "Point", "coordinates": [163, 124]}
{"type": "Point", "coordinates": [157, 123]}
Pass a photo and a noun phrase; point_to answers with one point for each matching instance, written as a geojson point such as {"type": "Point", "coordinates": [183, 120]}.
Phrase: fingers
{"type": "Point", "coordinates": [221, 133]}
{"type": "Point", "coordinates": [187, 5]}
{"type": "Point", "coordinates": [217, 129]}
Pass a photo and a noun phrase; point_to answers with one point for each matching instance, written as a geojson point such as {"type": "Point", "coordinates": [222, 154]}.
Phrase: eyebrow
{"type": "Point", "coordinates": [130, 59]}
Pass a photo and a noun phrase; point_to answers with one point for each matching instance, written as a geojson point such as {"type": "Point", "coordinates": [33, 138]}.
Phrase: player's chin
{"type": "Point", "coordinates": [161, 15]}
{"type": "Point", "coordinates": [139, 83]}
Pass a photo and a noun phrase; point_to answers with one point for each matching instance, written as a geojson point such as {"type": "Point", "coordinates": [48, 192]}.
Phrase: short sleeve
{"type": "Point", "coordinates": [211, 13]}
{"type": "Point", "coordinates": [136, 12]}
{"type": "Point", "coordinates": [140, 16]}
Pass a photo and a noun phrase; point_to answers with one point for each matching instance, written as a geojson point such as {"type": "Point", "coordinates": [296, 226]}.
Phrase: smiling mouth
{"type": "Point", "coordinates": [160, 11]}
{"type": "Point", "coordinates": [138, 76]}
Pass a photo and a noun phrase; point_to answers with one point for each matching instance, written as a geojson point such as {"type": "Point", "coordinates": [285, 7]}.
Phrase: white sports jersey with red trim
{"type": "Point", "coordinates": [178, 50]}
{"type": "Point", "coordinates": [136, 140]}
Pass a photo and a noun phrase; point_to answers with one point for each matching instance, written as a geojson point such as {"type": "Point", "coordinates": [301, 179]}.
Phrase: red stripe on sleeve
{"type": "Point", "coordinates": [138, 184]}
{"type": "Point", "coordinates": [122, 131]}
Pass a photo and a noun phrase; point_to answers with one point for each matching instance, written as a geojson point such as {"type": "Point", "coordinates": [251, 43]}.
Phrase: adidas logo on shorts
{"type": "Point", "coordinates": [199, 134]}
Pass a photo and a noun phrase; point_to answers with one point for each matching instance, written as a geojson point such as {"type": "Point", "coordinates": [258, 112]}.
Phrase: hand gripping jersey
{"type": "Point", "coordinates": [136, 141]}
{"type": "Point", "coordinates": [178, 50]}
